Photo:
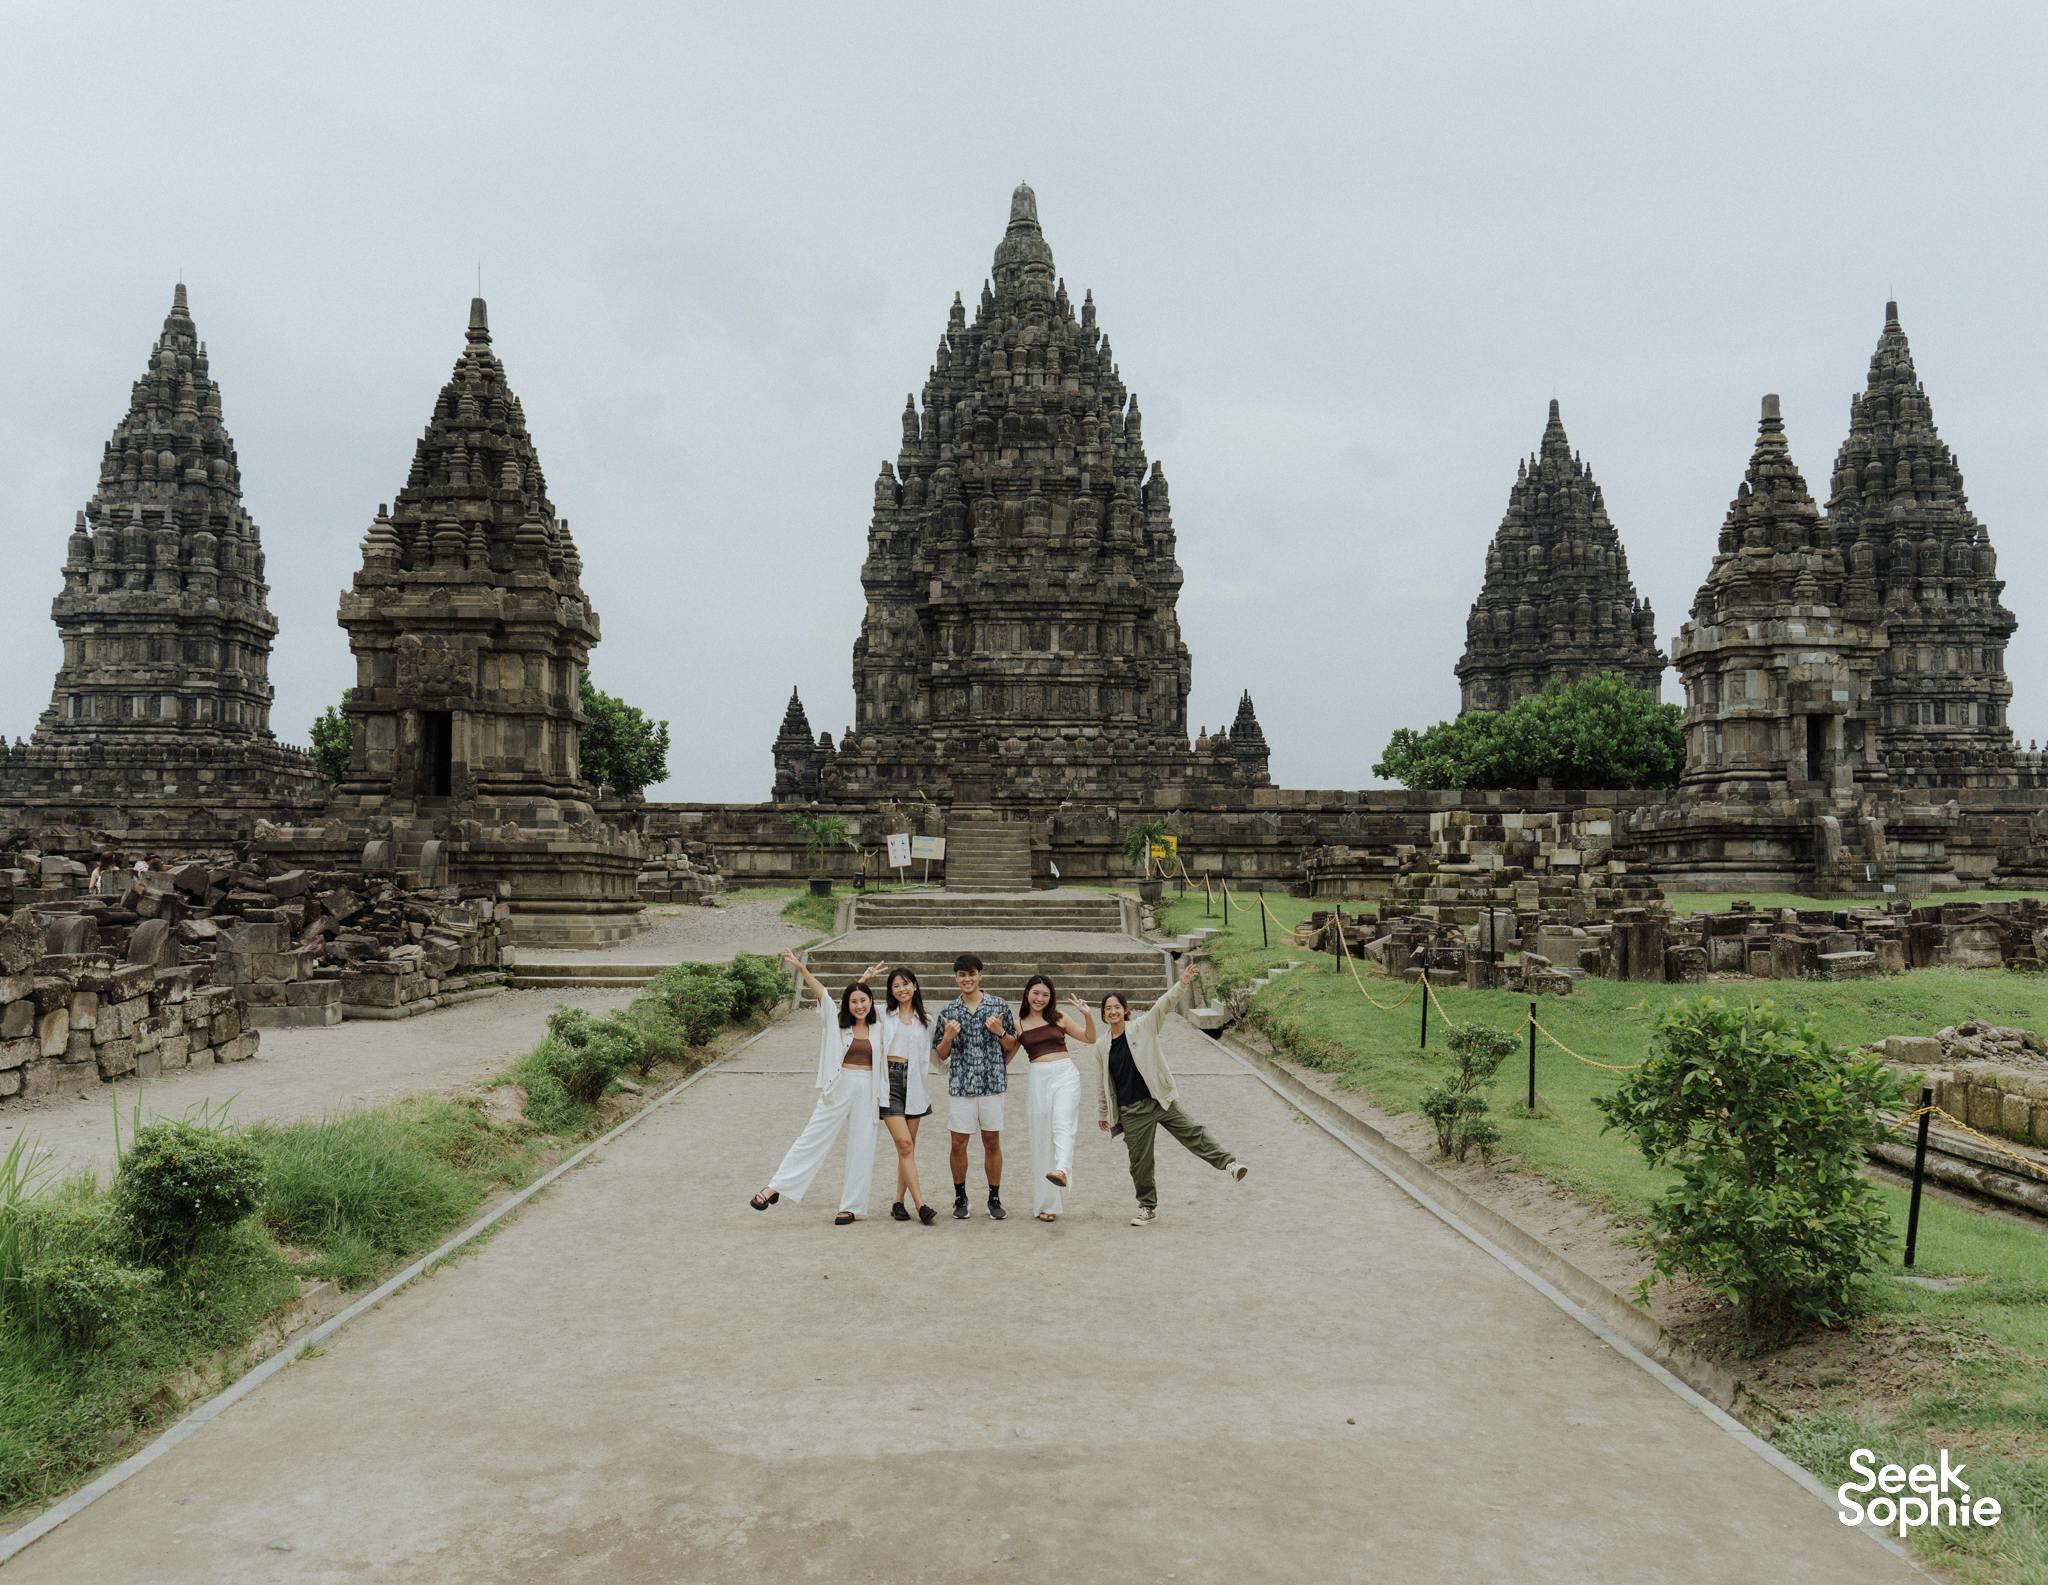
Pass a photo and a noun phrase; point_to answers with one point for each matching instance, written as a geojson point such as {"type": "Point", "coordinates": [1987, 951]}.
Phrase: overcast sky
{"type": "Point", "coordinates": [1346, 256]}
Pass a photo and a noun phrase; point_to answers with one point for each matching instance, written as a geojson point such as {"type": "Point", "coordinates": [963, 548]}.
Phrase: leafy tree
{"type": "Point", "coordinates": [333, 739]}
{"type": "Point", "coordinates": [622, 749]}
{"type": "Point", "coordinates": [1597, 733]}
{"type": "Point", "coordinates": [1144, 840]}
{"type": "Point", "coordinates": [822, 833]}
{"type": "Point", "coordinates": [1764, 1123]}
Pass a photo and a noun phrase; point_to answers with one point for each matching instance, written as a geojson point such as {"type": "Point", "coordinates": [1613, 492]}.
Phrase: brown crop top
{"type": "Point", "coordinates": [859, 1053]}
{"type": "Point", "coordinates": [1047, 1040]}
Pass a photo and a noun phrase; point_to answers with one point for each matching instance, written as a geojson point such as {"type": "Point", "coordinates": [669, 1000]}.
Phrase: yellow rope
{"type": "Point", "coordinates": [1611, 1067]}
{"type": "Point", "coordinates": [1442, 1011]}
{"type": "Point", "coordinates": [1344, 952]}
{"type": "Point", "coordinates": [1983, 1139]}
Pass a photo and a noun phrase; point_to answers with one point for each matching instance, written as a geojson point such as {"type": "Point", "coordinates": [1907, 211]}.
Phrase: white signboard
{"type": "Point", "coordinates": [899, 850]}
{"type": "Point", "coordinates": [928, 847]}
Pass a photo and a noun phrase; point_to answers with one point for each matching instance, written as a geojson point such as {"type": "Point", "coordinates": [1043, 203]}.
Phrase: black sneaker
{"type": "Point", "coordinates": [898, 1212]}
{"type": "Point", "coordinates": [960, 1208]}
{"type": "Point", "coordinates": [995, 1209]}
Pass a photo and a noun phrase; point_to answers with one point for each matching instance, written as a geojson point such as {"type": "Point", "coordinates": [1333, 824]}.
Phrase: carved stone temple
{"type": "Point", "coordinates": [1557, 603]}
{"type": "Point", "coordinates": [158, 729]}
{"type": "Point", "coordinates": [1922, 564]}
{"type": "Point", "coordinates": [1021, 645]}
{"type": "Point", "coordinates": [470, 630]}
{"type": "Point", "coordinates": [1786, 778]}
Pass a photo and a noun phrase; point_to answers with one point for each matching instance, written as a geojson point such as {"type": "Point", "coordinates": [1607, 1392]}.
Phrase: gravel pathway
{"type": "Point", "coordinates": [308, 1073]}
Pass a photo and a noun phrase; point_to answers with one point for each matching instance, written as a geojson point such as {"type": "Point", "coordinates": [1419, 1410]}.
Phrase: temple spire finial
{"type": "Point", "coordinates": [178, 304]}
{"type": "Point", "coordinates": [1023, 207]}
{"type": "Point", "coordinates": [479, 322]}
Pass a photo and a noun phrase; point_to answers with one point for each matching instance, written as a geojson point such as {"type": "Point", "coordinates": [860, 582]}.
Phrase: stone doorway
{"type": "Point", "coordinates": [1816, 747]}
{"type": "Point", "coordinates": [437, 753]}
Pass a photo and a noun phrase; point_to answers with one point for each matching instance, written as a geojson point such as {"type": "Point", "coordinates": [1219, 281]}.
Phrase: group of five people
{"type": "Point", "coordinates": [872, 1061]}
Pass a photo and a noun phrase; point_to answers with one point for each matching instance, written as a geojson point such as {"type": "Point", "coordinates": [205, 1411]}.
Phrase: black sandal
{"type": "Point", "coordinates": [843, 1219]}
{"type": "Point", "coordinates": [760, 1204]}
{"type": "Point", "coordinates": [927, 1215]}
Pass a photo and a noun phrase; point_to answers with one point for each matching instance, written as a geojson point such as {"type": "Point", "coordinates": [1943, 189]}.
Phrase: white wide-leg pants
{"type": "Point", "coordinates": [850, 1103]}
{"type": "Point", "coordinates": [1055, 1104]}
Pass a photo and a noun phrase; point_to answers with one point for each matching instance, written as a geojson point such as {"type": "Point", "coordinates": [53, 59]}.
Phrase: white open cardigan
{"type": "Point", "coordinates": [887, 1033]}
{"type": "Point", "coordinates": [1143, 1034]}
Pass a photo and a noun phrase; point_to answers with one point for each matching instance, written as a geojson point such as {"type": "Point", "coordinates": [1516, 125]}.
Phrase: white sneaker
{"type": "Point", "coordinates": [1237, 1170]}
{"type": "Point", "coordinates": [1145, 1218]}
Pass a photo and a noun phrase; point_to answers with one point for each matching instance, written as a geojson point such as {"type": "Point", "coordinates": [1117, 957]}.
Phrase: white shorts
{"type": "Point", "coordinates": [975, 1114]}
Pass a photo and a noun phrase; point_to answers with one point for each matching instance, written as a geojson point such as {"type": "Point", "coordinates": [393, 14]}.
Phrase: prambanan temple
{"type": "Point", "coordinates": [1021, 644]}
{"type": "Point", "coordinates": [1020, 659]}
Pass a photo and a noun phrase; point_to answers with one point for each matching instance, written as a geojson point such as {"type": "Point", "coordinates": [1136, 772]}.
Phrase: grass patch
{"type": "Point", "coordinates": [1980, 1386]}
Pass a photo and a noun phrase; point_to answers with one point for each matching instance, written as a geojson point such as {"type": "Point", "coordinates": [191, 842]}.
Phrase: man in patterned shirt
{"type": "Point", "coordinates": [977, 1035]}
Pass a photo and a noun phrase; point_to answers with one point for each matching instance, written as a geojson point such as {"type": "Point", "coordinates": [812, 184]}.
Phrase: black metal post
{"type": "Point", "coordinates": [1226, 903]}
{"type": "Point", "coordinates": [1264, 941]}
{"type": "Point", "coordinates": [1919, 1173]}
{"type": "Point", "coordinates": [1423, 986]}
{"type": "Point", "coordinates": [1532, 1059]}
{"type": "Point", "coordinates": [1337, 940]}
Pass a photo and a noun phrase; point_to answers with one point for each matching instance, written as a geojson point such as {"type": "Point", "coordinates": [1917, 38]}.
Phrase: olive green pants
{"type": "Point", "coordinates": [1142, 1123]}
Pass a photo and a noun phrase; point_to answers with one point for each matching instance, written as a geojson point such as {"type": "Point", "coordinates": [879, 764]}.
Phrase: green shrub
{"type": "Point", "coordinates": [1457, 1106]}
{"type": "Point", "coordinates": [762, 982]}
{"type": "Point", "coordinates": [69, 1284]}
{"type": "Point", "coordinates": [702, 996]}
{"type": "Point", "coordinates": [587, 1054]}
{"type": "Point", "coordinates": [179, 1185]}
{"type": "Point", "coordinates": [662, 1037]}
{"type": "Point", "coordinates": [1765, 1124]}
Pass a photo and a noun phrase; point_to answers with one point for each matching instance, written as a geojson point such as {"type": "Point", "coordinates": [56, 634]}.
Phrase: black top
{"type": "Point", "coordinates": [1124, 1076]}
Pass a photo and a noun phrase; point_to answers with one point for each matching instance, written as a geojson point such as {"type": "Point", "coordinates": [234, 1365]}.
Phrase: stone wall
{"type": "Point", "coordinates": [71, 1021]}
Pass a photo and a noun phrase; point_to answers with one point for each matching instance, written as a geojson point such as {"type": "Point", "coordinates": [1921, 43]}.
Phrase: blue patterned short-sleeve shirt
{"type": "Point", "coordinates": [976, 1064]}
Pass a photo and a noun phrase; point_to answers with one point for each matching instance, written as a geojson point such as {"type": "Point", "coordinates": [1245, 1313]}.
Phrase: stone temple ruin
{"type": "Point", "coordinates": [1021, 642]}
{"type": "Point", "coordinates": [471, 630]}
{"type": "Point", "coordinates": [159, 723]}
{"type": "Point", "coordinates": [1557, 603]}
{"type": "Point", "coordinates": [1021, 684]}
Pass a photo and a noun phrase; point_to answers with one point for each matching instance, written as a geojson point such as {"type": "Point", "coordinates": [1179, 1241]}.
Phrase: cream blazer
{"type": "Point", "coordinates": [1143, 1034]}
{"type": "Point", "coordinates": [912, 1041]}
{"type": "Point", "coordinates": [832, 1044]}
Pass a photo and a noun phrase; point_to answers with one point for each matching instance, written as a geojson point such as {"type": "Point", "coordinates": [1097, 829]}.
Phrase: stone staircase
{"type": "Point", "coordinates": [985, 853]}
{"type": "Point", "coordinates": [1075, 937]}
{"type": "Point", "coordinates": [582, 976]}
{"type": "Point", "coordinates": [964, 911]}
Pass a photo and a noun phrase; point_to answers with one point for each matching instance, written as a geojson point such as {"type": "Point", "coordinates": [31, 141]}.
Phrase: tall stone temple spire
{"type": "Point", "coordinates": [1021, 642]}
{"type": "Point", "coordinates": [471, 630]}
{"type": "Point", "coordinates": [1917, 551]}
{"type": "Point", "coordinates": [164, 613]}
{"type": "Point", "coordinates": [164, 689]}
{"type": "Point", "coordinates": [1557, 603]}
{"type": "Point", "coordinates": [1780, 661]}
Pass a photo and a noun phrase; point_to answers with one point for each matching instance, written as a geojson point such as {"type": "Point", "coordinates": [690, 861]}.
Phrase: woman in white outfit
{"type": "Point", "coordinates": [1055, 1100]}
{"type": "Point", "coordinates": [847, 1073]}
{"type": "Point", "coordinates": [907, 1031]}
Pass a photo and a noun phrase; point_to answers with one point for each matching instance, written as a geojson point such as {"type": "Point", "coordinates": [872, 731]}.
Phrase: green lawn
{"type": "Point", "coordinates": [1989, 1402]}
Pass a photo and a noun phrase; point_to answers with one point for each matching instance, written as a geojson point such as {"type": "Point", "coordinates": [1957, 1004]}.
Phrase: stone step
{"type": "Point", "coordinates": [598, 976]}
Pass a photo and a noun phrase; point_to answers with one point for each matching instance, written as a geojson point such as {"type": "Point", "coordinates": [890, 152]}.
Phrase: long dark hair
{"type": "Point", "coordinates": [1052, 999]}
{"type": "Point", "coordinates": [916, 993]}
{"type": "Point", "coordinates": [846, 998]}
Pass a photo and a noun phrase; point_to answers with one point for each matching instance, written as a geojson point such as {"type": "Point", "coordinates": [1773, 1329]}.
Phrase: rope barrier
{"type": "Point", "coordinates": [1344, 952]}
{"type": "Point", "coordinates": [1983, 1139]}
{"type": "Point", "coordinates": [1611, 1067]}
{"type": "Point", "coordinates": [1441, 1011]}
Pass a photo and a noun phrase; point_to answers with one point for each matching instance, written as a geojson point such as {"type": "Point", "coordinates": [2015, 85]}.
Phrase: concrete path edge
{"type": "Point", "coordinates": [1636, 1336]}
{"type": "Point", "coordinates": [203, 1414]}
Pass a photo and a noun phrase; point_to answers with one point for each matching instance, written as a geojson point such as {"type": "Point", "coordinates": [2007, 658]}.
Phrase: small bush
{"type": "Point", "coordinates": [662, 1036]}
{"type": "Point", "coordinates": [179, 1185]}
{"type": "Point", "coordinates": [1457, 1107]}
{"type": "Point", "coordinates": [70, 1285]}
{"type": "Point", "coordinates": [1765, 1124]}
{"type": "Point", "coordinates": [761, 981]}
{"type": "Point", "coordinates": [587, 1053]}
{"type": "Point", "coordinates": [702, 996]}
